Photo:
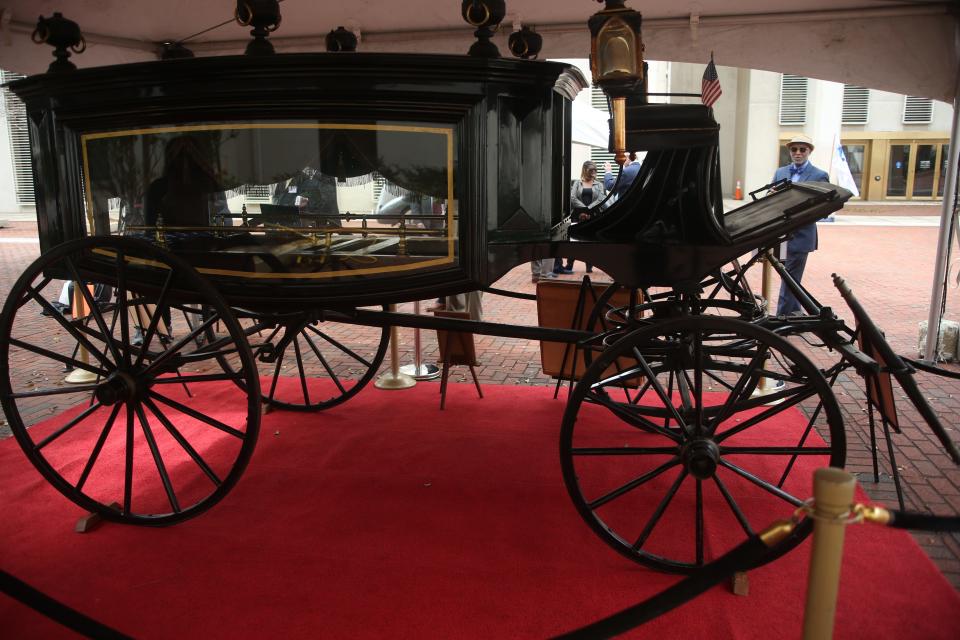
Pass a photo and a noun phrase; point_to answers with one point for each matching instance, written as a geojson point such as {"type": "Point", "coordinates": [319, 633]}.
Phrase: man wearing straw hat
{"type": "Point", "coordinates": [804, 240]}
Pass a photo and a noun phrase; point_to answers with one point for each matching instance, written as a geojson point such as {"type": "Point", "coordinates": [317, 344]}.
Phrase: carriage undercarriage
{"type": "Point", "coordinates": [676, 409]}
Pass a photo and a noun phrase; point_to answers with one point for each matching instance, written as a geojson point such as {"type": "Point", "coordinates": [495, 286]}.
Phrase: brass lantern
{"type": "Point", "coordinates": [616, 62]}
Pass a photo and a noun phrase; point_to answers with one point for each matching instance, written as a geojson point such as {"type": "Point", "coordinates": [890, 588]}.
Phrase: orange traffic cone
{"type": "Point", "coordinates": [738, 192]}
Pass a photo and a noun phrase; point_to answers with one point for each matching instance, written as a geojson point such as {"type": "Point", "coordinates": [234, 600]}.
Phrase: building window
{"type": "Point", "coordinates": [917, 110]}
{"type": "Point", "coordinates": [793, 99]}
{"type": "Point", "coordinates": [18, 131]}
{"type": "Point", "coordinates": [856, 104]}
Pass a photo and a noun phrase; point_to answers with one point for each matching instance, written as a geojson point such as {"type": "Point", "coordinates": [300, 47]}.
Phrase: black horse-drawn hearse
{"type": "Point", "coordinates": [158, 182]}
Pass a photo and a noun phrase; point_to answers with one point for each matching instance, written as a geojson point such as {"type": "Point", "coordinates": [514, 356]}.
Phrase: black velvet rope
{"type": "Point", "coordinates": [56, 611]}
{"type": "Point", "coordinates": [923, 521]}
{"type": "Point", "coordinates": [509, 294]}
{"type": "Point", "coordinates": [746, 556]}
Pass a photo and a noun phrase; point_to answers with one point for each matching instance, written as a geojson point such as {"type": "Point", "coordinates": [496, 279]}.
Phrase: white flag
{"type": "Point", "coordinates": [841, 169]}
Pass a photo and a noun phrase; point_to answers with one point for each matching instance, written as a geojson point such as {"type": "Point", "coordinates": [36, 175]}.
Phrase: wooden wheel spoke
{"type": "Point", "coordinates": [124, 308]}
{"type": "Point", "coordinates": [807, 431]}
{"type": "Point", "coordinates": [734, 507]}
{"type": "Point", "coordinates": [128, 464]}
{"type": "Point", "coordinates": [205, 377]}
{"type": "Point", "coordinates": [155, 317]}
{"type": "Point", "coordinates": [631, 416]}
{"type": "Point", "coordinates": [639, 394]}
{"type": "Point", "coordinates": [25, 297]}
{"type": "Point", "coordinates": [622, 451]}
{"type": "Point", "coordinates": [766, 486]}
{"type": "Point", "coordinates": [303, 375]}
{"type": "Point", "coordinates": [790, 397]}
{"type": "Point", "coordinates": [699, 364]}
{"type": "Point", "coordinates": [735, 394]}
{"type": "Point", "coordinates": [65, 428]}
{"type": "Point", "coordinates": [776, 451]}
{"type": "Point", "coordinates": [158, 460]}
{"type": "Point", "coordinates": [92, 305]}
{"type": "Point", "coordinates": [710, 374]}
{"type": "Point", "coordinates": [75, 331]}
{"type": "Point", "coordinates": [213, 422]}
{"type": "Point", "coordinates": [73, 362]}
{"type": "Point", "coordinates": [276, 376]}
{"type": "Point", "coordinates": [88, 467]}
{"type": "Point", "coordinates": [340, 346]}
{"type": "Point", "coordinates": [659, 511]}
{"type": "Point", "coordinates": [664, 397]}
{"type": "Point", "coordinates": [207, 352]}
{"type": "Point", "coordinates": [324, 363]}
{"type": "Point", "coordinates": [633, 484]}
{"type": "Point", "coordinates": [172, 430]}
{"type": "Point", "coordinates": [698, 523]}
{"type": "Point", "coordinates": [618, 379]}
{"type": "Point", "coordinates": [54, 391]}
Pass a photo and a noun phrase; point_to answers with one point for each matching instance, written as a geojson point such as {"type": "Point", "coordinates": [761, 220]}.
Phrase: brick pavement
{"type": "Point", "coordinates": [889, 269]}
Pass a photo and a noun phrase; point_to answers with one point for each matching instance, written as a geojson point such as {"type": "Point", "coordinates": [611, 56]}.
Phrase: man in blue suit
{"type": "Point", "coordinates": [804, 239]}
{"type": "Point", "coordinates": [630, 171]}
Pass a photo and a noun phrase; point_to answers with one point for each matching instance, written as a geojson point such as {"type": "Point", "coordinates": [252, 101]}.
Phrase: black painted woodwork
{"type": "Point", "coordinates": [511, 122]}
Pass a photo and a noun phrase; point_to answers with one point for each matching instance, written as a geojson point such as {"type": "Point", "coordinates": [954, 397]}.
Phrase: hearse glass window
{"type": "Point", "coordinates": [290, 200]}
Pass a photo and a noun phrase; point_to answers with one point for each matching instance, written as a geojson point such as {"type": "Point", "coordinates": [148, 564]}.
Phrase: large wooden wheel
{"type": "Point", "coordinates": [684, 461]}
{"type": "Point", "coordinates": [158, 432]}
{"type": "Point", "coordinates": [293, 349]}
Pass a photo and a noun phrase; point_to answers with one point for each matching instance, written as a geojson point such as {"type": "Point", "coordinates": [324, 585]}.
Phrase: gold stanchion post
{"type": "Point", "coordinates": [393, 379]}
{"type": "Point", "coordinates": [419, 369]}
{"type": "Point", "coordinates": [833, 496]}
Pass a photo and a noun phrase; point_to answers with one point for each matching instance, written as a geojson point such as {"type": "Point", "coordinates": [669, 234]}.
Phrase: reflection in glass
{"type": "Point", "coordinates": [295, 198]}
{"type": "Point", "coordinates": [924, 169]}
{"type": "Point", "coordinates": [897, 170]}
{"type": "Point", "coordinates": [854, 154]}
{"type": "Point", "coordinates": [944, 163]}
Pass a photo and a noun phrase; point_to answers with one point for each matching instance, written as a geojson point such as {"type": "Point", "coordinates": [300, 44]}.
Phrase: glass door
{"type": "Point", "coordinates": [916, 169]}
{"type": "Point", "coordinates": [924, 171]}
{"type": "Point", "coordinates": [898, 170]}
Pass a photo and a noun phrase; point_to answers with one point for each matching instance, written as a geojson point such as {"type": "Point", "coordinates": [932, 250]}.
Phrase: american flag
{"type": "Point", "coordinates": [710, 85]}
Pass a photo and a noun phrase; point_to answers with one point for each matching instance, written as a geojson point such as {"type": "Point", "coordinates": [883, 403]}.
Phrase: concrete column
{"type": "Point", "coordinates": [740, 128]}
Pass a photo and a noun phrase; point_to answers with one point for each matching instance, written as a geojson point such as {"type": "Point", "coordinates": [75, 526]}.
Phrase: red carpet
{"type": "Point", "coordinates": [385, 518]}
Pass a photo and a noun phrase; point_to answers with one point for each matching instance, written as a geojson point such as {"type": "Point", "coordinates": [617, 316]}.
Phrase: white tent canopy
{"type": "Point", "coordinates": [897, 45]}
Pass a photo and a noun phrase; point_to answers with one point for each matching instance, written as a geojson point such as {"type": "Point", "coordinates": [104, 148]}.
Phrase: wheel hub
{"type": "Point", "coordinates": [118, 387]}
{"type": "Point", "coordinates": [701, 458]}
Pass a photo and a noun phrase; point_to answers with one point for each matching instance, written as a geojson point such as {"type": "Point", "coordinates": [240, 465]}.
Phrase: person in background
{"type": "Point", "coordinates": [541, 270]}
{"type": "Point", "coordinates": [804, 240]}
{"type": "Point", "coordinates": [585, 194]}
{"type": "Point", "coordinates": [627, 175]}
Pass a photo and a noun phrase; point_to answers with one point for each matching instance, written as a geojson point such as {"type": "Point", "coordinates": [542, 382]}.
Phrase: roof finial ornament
{"type": "Point", "coordinates": [485, 15]}
{"type": "Point", "coordinates": [61, 34]}
{"type": "Point", "coordinates": [264, 16]}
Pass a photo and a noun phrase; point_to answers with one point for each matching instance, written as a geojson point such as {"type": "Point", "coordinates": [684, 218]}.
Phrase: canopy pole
{"type": "Point", "coordinates": [943, 242]}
